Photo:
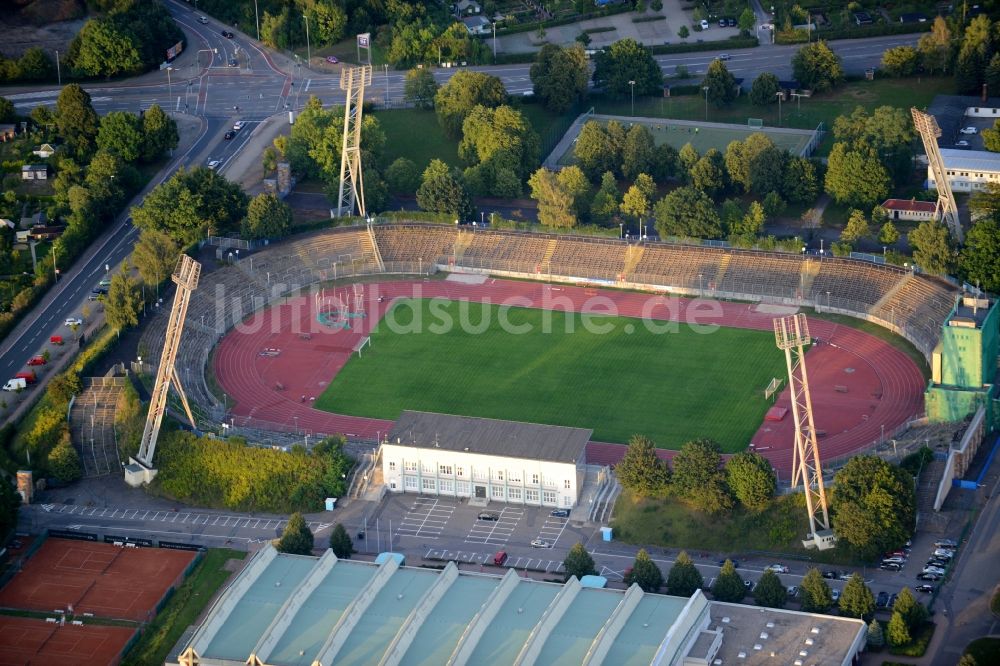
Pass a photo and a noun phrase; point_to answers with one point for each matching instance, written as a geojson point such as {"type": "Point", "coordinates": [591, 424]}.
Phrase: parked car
{"type": "Point", "coordinates": [722, 23]}
{"type": "Point", "coordinates": [962, 144]}
{"type": "Point", "coordinates": [540, 543]}
{"type": "Point", "coordinates": [777, 568]}
{"type": "Point", "coordinates": [73, 321]}
{"type": "Point", "coordinates": [749, 584]}
{"type": "Point", "coordinates": [28, 376]}
{"type": "Point", "coordinates": [213, 164]}
{"type": "Point", "coordinates": [943, 564]}
{"type": "Point", "coordinates": [845, 575]}
{"type": "Point", "coordinates": [15, 385]}
{"type": "Point", "coordinates": [882, 600]}
{"type": "Point", "coordinates": [500, 558]}
{"type": "Point", "coordinates": [894, 560]}
{"type": "Point", "coordinates": [793, 591]}
{"type": "Point", "coordinates": [968, 130]}
{"type": "Point", "coordinates": [100, 291]}
{"type": "Point", "coordinates": [929, 576]}
{"type": "Point", "coordinates": [56, 340]}
{"type": "Point", "coordinates": [835, 595]}
{"type": "Point", "coordinates": [945, 543]}
{"type": "Point", "coordinates": [736, 563]}
{"type": "Point", "coordinates": [892, 600]}
{"type": "Point", "coordinates": [332, 60]}
{"type": "Point", "coordinates": [946, 553]}
{"type": "Point", "coordinates": [704, 24]}
{"type": "Point", "coordinates": [832, 575]}
{"type": "Point", "coordinates": [891, 566]}
{"type": "Point", "coordinates": [937, 571]}
{"type": "Point", "coordinates": [489, 515]}
{"type": "Point", "coordinates": [926, 589]}
{"type": "Point", "coordinates": [559, 513]}
{"type": "Point", "coordinates": [731, 22]}
{"type": "Point", "coordinates": [37, 360]}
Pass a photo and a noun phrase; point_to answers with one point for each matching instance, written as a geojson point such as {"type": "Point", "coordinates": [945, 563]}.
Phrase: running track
{"type": "Point", "coordinates": [859, 383]}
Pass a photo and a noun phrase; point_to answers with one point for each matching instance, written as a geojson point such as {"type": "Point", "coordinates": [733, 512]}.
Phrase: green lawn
{"type": "Point", "coordinates": [672, 387]}
{"type": "Point", "coordinates": [183, 608]}
{"type": "Point", "coordinates": [416, 135]}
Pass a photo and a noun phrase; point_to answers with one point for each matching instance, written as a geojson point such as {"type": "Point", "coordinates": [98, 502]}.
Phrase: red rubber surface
{"type": "Point", "coordinates": [883, 385]}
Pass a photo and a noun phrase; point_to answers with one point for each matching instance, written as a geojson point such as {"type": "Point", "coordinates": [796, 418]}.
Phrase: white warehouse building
{"type": "Point", "coordinates": [489, 459]}
{"type": "Point", "coordinates": [968, 170]}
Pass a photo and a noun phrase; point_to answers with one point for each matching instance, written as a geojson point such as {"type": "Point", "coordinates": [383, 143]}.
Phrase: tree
{"type": "Point", "coordinates": [708, 173]}
{"type": "Point", "coordinates": [683, 32]}
{"type": "Point", "coordinates": [605, 203]}
{"type": "Point", "coordinates": [635, 203]}
{"type": "Point", "coordinates": [420, 88]}
{"type": "Point", "coordinates": [756, 163]}
{"type": "Point", "coordinates": [627, 60]}
{"type": "Point", "coordinates": [154, 256]}
{"type": "Point", "coordinates": [645, 573]}
{"type": "Point", "coordinates": [297, 538]}
{"type": "Point", "coordinates": [340, 542]}
{"type": "Point", "coordinates": [974, 55]}
{"type": "Point", "coordinates": [747, 21]}
{"type": "Point", "coordinates": [578, 562]}
{"type": "Point", "coordinates": [10, 503]}
{"type": "Point", "coordinates": [764, 89]}
{"type": "Point", "coordinates": [897, 633]}
{"type": "Point", "coordinates": [123, 303]}
{"type": "Point", "coordinates": [641, 471]}
{"type": "Point", "coordinates": [774, 205]}
{"type": "Point", "coordinates": [991, 137]}
{"type": "Point", "coordinates": [979, 262]}
{"type": "Point", "coordinates": [728, 585]}
{"type": "Point", "coordinates": [876, 637]}
{"type": "Point", "coordinates": [502, 145]}
{"type": "Point", "coordinates": [105, 50]}
{"type": "Point", "coordinates": [933, 247]}
{"type": "Point", "coordinates": [442, 191]}
{"type": "Point", "coordinates": [637, 152]}
{"type": "Point", "coordinates": [684, 577]}
{"type": "Point", "coordinates": [900, 61]}
{"type": "Point", "coordinates": [121, 133]}
{"type": "Point", "coordinates": [887, 130]}
{"type": "Point", "coordinates": [888, 234]}
{"type": "Point", "coordinates": [687, 212]}
{"type": "Point", "coordinates": [696, 464]}
{"type": "Point", "coordinates": [267, 217]}
{"type": "Point", "coordinates": [559, 76]}
{"type": "Point", "coordinates": [464, 91]}
{"type": "Point", "coordinates": [815, 593]}
{"type": "Point", "coordinates": [857, 227]}
{"type": "Point", "coordinates": [555, 203]}
{"type": "Point", "coordinates": [935, 47]}
{"type": "Point", "coordinates": [36, 65]}
{"type": "Point", "coordinates": [159, 133]}
{"type": "Point", "coordinates": [721, 84]}
{"type": "Point", "coordinates": [7, 110]}
{"type": "Point", "coordinates": [750, 475]}
{"type": "Point", "coordinates": [800, 183]}
{"type": "Point", "coordinates": [64, 386]}
{"type": "Point", "coordinates": [599, 148]}
{"type": "Point", "coordinates": [968, 660]}
{"type": "Point", "coordinates": [665, 162]}
{"type": "Point", "coordinates": [402, 176]}
{"type": "Point", "coordinates": [76, 119]}
{"type": "Point", "coordinates": [63, 461]}
{"type": "Point", "coordinates": [856, 600]}
{"type": "Point", "coordinates": [770, 592]}
{"type": "Point", "coordinates": [687, 157]}
{"type": "Point", "coordinates": [874, 506]}
{"type": "Point", "coordinates": [912, 611]}
{"type": "Point", "coordinates": [817, 68]}
{"type": "Point", "coordinates": [855, 176]}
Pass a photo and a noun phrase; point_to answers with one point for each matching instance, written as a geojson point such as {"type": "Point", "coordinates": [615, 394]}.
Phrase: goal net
{"type": "Point", "coordinates": [756, 123]}
{"type": "Point", "coordinates": [772, 388]}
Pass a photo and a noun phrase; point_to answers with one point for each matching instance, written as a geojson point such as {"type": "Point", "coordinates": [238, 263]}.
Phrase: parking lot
{"type": "Point", "coordinates": [485, 559]}
{"type": "Point", "coordinates": [426, 518]}
{"type": "Point", "coordinates": [497, 531]}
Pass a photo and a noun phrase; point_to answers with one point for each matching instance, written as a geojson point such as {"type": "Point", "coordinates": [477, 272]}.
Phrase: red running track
{"type": "Point", "coordinates": [883, 385]}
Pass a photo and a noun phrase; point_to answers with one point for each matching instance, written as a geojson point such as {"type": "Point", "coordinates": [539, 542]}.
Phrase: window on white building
{"type": "Point", "coordinates": [427, 467]}
{"type": "Point", "coordinates": [531, 496]}
{"type": "Point", "coordinates": [548, 497]}
{"type": "Point", "coordinates": [428, 484]}
{"type": "Point", "coordinates": [479, 474]}
{"type": "Point", "coordinates": [459, 471]}
{"type": "Point", "coordinates": [462, 488]}
{"type": "Point", "coordinates": [446, 486]}
{"type": "Point", "coordinates": [567, 484]}
{"type": "Point", "coordinates": [499, 474]}
{"type": "Point", "coordinates": [392, 465]}
{"type": "Point", "coordinates": [496, 492]}
{"type": "Point", "coordinates": [410, 466]}
{"type": "Point", "coordinates": [534, 479]}
{"type": "Point", "coordinates": [514, 494]}
{"type": "Point", "coordinates": [445, 470]}
{"type": "Point", "coordinates": [410, 483]}
{"type": "Point", "coordinates": [514, 476]}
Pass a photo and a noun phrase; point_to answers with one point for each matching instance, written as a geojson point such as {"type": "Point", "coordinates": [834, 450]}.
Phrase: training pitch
{"type": "Point", "coordinates": [701, 136]}
{"type": "Point", "coordinates": [671, 386]}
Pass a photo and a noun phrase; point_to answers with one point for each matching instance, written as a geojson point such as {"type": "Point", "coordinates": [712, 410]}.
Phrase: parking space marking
{"type": "Point", "coordinates": [426, 518]}
{"type": "Point", "coordinates": [552, 530]}
{"type": "Point", "coordinates": [193, 519]}
{"type": "Point", "coordinates": [496, 532]}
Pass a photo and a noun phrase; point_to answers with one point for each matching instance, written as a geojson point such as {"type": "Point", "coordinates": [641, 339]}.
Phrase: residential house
{"type": "Point", "coordinates": [35, 172]}
{"type": "Point", "coordinates": [910, 209]}
{"type": "Point", "coordinates": [477, 25]}
{"type": "Point", "coordinates": [467, 8]}
{"type": "Point", "coordinates": [44, 151]}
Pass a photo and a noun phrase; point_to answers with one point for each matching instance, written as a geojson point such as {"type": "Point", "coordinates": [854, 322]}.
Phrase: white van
{"type": "Point", "coordinates": [704, 24]}
{"type": "Point", "coordinates": [16, 384]}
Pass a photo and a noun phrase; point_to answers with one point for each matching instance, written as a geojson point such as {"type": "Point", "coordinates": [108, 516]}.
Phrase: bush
{"type": "Point", "coordinates": [731, 43]}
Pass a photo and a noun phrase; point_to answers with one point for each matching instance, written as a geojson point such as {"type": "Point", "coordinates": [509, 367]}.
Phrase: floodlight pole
{"type": "Point", "coordinates": [780, 95]}
{"type": "Point", "coordinates": [632, 86]}
{"type": "Point", "coordinates": [705, 88]}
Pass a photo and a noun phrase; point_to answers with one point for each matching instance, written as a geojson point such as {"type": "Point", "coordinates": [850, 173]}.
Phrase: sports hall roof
{"type": "Point", "coordinates": [970, 160]}
{"type": "Point", "coordinates": [292, 610]}
{"type": "Point", "coordinates": [513, 439]}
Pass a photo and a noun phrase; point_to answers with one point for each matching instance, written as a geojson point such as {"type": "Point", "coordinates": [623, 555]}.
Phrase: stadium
{"type": "Point", "coordinates": [290, 331]}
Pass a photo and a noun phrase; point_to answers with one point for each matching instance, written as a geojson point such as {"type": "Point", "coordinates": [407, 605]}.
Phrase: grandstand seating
{"type": "Point", "coordinates": [418, 244]}
{"type": "Point", "coordinates": [921, 304]}
{"type": "Point", "coordinates": [678, 266]}
{"type": "Point", "coordinates": [591, 258]}
{"type": "Point", "coordinates": [851, 288]}
{"type": "Point", "coordinates": [762, 274]}
{"type": "Point", "coordinates": [505, 251]}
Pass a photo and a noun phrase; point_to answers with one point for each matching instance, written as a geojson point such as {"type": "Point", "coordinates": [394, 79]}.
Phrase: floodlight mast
{"type": "Point", "coordinates": [353, 81]}
{"type": "Point", "coordinates": [927, 126]}
{"type": "Point", "coordinates": [792, 335]}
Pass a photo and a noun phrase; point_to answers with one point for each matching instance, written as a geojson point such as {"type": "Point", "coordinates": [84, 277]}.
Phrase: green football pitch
{"type": "Point", "coordinates": [612, 374]}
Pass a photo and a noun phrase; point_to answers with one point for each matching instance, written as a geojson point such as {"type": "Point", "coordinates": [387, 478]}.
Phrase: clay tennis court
{"type": "Point", "coordinates": [27, 641]}
{"type": "Point", "coordinates": [102, 579]}
{"type": "Point", "coordinates": [859, 382]}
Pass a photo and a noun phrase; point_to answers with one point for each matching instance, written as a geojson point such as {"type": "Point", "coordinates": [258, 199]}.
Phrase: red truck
{"type": "Point", "coordinates": [56, 340]}
{"type": "Point", "coordinates": [28, 376]}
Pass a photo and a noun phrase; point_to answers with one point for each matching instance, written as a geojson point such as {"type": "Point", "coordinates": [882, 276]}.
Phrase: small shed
{"type": "Point", "coordinates": [45, 151]}
{"type": "Point", "coordinates": [35, 172]}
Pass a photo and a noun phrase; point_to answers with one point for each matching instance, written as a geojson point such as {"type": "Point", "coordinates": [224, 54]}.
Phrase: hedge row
{"type": "Point", "coordinates": [659, 49]}
{"type": "Point", "coordinates": [566, 20]}
{"type": "Point", "coordinates": [856, 32]}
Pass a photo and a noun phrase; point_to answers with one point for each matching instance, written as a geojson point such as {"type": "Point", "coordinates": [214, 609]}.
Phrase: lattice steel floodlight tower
{"type": "Point", "coordinates": [929, 131]}
{"type": "Point", "coordinates": [140, 470]}
{"type": "Point", "coordinates": [792, 335]}
{"type": "Point", "coordinates": [352, 81]}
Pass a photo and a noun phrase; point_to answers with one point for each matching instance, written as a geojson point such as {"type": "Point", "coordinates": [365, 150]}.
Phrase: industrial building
{"type": "Point", "coordinates": [294, 610]}
{"type": "Point", "coordinates": [968, 170]}
{"type": "Point", "coordinates": [487, 459]}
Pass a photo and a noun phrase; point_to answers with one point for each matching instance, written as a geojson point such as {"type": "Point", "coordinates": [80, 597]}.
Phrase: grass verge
{"type": "Point", "coordinates": [183, 608]}
{"type": "Point", "coordinates": [546, 366]}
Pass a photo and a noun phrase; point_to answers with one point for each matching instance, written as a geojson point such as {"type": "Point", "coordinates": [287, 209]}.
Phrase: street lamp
{"type": "Point", "coordinates": [705, 88]}
{"type": "Point", "coordinates": [305, 17]}
{"type": "Point", "coordinates": [780, 95]}
{"type": "Point", "coordinates": [494, 42]}
{"type": "Point", "coordinates": [386, 66]}
{"type": "Point", "coordinates": [170, 89]}
{"type": "Point", "coordinates": [632, 85]}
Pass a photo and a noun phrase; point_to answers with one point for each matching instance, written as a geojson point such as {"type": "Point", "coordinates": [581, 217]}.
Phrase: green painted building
{"type": "Point", "coordinates": [964, 363]}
